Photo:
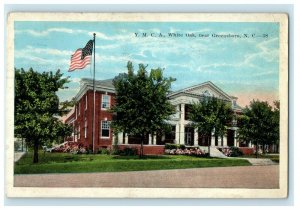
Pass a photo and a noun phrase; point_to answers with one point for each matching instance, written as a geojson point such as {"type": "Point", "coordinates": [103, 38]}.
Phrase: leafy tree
{"type": "Point", "coordinates": [68, 105]}
{"type": "Point", "coordinates": [259, 124]}
{"type": "Point", "coordinates": [211, 114]}
{"type": "Point", "coordinates": [141, 105]}
{"type": "Point", "coordinates": [37, 107]}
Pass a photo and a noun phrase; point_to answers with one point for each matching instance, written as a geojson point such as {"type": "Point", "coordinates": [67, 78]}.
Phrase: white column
{"type": "Point", "coordinates": [249, 144]}
{"type": "Point", "coordinates": [177, 133]}
{"type": "Point", "coordinates": [225, 140]}
{"type": "Point", "coordinates": [196, 142]}
{"type": "Point", "coordinates": [126, 138]}
{"type": "Point", "coordinates": [120, 138]}
{"type": "Point", "coordinates": [150, 139]}
{"type": "Point", "coordinates": [154, 139]}
{"type": "Point", "coordinates": [212, 143]}
{"type": "Point", "coordinates": [235, 140]}
{"type": "Point", "coordinates": [182, 124]}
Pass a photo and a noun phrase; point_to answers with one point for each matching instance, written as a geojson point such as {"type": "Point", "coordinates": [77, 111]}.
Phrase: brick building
{"type": "Point", "coordinates": [81, 118]}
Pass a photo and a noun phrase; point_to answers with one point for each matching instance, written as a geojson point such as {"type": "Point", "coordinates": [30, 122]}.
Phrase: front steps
{"type": "Point", "coordinates": [214, 152]}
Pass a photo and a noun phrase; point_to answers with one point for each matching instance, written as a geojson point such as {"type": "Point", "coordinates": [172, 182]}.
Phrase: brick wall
{"type": "Point", "coordinates": [247, 150]}
{"type": "Point", "coordinates": [87, 114]}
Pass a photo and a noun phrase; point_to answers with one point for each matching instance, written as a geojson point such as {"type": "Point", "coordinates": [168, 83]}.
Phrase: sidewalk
{"type": "Point", "coordinates": [260, 161]}
{"type": "Point", "coordinates": [253, 177]}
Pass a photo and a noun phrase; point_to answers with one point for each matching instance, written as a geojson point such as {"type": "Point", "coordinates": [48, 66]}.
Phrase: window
{"type": "Point", "coordinates": [188, 109]}
{"type": "Point", "coordinates": [105, 125]}
{"type": "Point", "coordinates": [105, 101]}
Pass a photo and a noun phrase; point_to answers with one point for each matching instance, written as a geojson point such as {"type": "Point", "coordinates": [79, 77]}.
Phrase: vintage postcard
{"type": "Point", "coordinates": [147, 105]}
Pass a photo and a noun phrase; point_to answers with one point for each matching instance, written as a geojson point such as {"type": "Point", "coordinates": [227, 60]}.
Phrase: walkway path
{"type": "Point", "coordinates": [262, 177]}
{"type": "Point", "coordinates": [260, 161]}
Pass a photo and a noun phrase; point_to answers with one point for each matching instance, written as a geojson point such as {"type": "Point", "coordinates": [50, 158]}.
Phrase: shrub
{"type": "Point", "coordinates": [104, 151]}
{"type": "Point", "coordinates": [181, 146]}
{"type": "Point", "coordinates": [235, 152]}
{"type": "Point", "coordinates": [128, 151]}
{"type": "Point", "coordinates": [115, 151]}
{"type": "Point", "coordinates": [170, 146]}
{"type": "Point", "coordinates": [174, 146]}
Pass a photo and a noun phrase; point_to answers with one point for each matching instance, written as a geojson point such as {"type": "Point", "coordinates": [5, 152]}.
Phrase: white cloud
{"type": "Point", "coordinates": [104, 47]}
{"type": "Point", "coordinates": [48, 51]}
{"type": "Point", "coordinates": [49, 30]}
{"type": "Point", "coordinates": [41, 56]}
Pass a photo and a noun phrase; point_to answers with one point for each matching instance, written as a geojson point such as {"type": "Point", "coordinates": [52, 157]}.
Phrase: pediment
{"type": "Point", "coordinates": [207, 89]}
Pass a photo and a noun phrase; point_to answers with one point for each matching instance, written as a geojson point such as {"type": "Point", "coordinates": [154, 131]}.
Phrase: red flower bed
{"type": "Point", "coordinates": [72, 147]}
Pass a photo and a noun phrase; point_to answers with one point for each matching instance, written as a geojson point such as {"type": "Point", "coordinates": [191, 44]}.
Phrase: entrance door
{"type": "Point", "coordinates": [230, 138]}
{"type": "Point", "coordinates": [203, 139]}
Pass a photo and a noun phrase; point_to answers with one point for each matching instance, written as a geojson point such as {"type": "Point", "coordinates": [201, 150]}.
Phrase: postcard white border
{"type": "Point", "coordinates": [281, 18]}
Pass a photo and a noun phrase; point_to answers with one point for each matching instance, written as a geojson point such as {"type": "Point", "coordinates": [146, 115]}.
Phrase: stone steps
{"type": "Point", "coordinates": [214, 152]}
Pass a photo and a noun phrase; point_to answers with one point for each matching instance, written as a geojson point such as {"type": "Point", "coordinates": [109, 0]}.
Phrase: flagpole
{"type": "Point", "coordinates": [93, 123]}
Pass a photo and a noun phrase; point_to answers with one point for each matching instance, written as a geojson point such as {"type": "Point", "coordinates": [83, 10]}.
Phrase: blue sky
{"type": "Point", "coordinates": [244, 67]}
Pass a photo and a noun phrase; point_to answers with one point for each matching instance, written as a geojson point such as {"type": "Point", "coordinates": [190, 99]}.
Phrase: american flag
{"type": "Point", "coordinates": [82, 57]}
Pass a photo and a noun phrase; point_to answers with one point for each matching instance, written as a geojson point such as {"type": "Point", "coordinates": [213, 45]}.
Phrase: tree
{"type": "Point", "coordinates": [141, 106]}
{"type": "Point", "coordinates": [68, 105]}
{"type": "Point", "coordinates": [37, 107]}
{"type": "Point", "coordinates": [259, 124]}
{"type": "Point", "coordinates": [211, 114]}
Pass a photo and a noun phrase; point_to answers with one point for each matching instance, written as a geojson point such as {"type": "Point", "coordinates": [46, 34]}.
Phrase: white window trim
{"type": "Point", "coordinates": [103, 100]}
{"type": "Point", "coordinates": [79, 109]}
{"type": "Point", "coordinates": [105, 137]}
{"type": "Point", "coordinates": [79, 132]}
{"type": "Point", "coordinates": [85, 129]}
{"type": "Point", "coordinates": [86, 102]}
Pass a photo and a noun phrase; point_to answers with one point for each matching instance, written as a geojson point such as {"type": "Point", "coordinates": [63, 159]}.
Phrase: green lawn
{"type": "Point", "coordinates": [70, 163]}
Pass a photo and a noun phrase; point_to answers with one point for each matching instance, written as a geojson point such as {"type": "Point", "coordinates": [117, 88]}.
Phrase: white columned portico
{"type": "Point", "coordinates": [181, 131]}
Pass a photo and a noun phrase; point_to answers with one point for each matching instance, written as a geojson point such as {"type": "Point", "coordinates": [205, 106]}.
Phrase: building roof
{"type": "Point", "coordinates": [190, 90]}
{"type": "Point", "coordinates": [105, 83]}
{"type": "Point", "coordinates": [100, 85]}
{"type": "Point", "coordinates": [107, 86]}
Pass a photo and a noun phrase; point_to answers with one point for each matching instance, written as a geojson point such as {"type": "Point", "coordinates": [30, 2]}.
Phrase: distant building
{"type": "Point", "coordinates": [81, 118]}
